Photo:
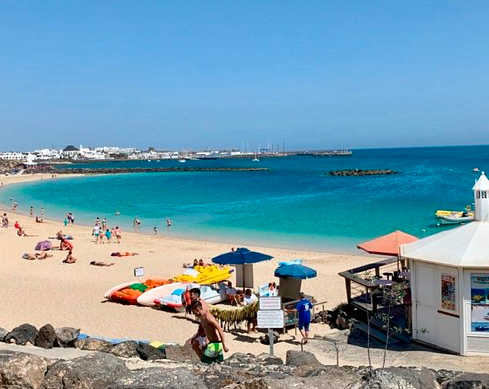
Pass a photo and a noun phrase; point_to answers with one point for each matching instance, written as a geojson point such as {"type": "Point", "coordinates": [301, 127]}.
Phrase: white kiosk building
{"type": "Point", "coordinates": [450, 282]}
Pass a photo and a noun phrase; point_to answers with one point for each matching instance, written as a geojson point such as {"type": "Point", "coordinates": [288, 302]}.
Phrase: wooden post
{"type": "Point", "coordinates": [348, 290]}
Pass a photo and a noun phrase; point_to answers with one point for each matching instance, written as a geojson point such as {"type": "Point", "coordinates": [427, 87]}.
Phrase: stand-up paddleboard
{"type": "Point", "coordinates": [148, 298]}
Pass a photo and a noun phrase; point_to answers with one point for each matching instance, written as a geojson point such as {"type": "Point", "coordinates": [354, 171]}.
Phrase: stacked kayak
{"type": "Point", "coordinates": [129, 292]}
{"type": "Point", "coordinates": [146, 292]}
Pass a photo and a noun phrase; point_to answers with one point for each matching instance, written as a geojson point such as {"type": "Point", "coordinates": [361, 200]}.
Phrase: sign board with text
{"type": "Point", "coordinates": [138, 271]}
{"type": "Point", "coordinates": [270, 303]}
{"type": "Point", "coordinates": [270, 319]}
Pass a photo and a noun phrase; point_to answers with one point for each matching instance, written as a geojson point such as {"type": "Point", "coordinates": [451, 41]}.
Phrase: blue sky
{"type": "Point", "coordinates": [216, 74]}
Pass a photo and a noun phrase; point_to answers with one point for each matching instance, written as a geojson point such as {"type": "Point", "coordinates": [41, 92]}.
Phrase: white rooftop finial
{"type": "Point", "coordinates": [481, 198]}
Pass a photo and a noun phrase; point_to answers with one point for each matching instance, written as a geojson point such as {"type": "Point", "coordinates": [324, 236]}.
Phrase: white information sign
{"type": "Point", "coordinates": [270, 319]}
{"type": "Point", "coordinates": [270, 303]}
{"type": "Point", "coordinates": [138, 271]}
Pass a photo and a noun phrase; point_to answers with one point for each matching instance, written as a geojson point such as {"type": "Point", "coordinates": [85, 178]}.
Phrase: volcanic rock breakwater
{"type": "Point", "coordinates": [359, 172]}
{"type": "Point", "coordinates": [155, 170]}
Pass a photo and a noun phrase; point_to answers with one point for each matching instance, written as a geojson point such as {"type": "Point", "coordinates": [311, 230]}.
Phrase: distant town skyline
{"type": "Point", "coordinates": [198, 75]}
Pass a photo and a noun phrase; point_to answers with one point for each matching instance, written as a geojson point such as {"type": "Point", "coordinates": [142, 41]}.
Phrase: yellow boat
{"type": "Point", "coordinates": [441, 212]}
{"type": "Point", "coordinates": [205, 275]}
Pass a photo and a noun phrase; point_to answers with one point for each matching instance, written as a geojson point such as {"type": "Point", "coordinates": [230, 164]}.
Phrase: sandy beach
{"type": "Point", "coordinates": [47, 291]}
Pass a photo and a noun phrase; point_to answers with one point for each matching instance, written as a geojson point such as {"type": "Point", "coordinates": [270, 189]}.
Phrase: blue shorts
{"type": "Point", "coordinates": [304, 326]}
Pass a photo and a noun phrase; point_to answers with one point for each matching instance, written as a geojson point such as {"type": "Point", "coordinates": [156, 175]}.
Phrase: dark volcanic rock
{"type": "Point", "coordinates": [93, 345]}
{"type": "Point", "coordinates": [126, 349]}
{"type": "Point", "coordinates": [45, 337]}
{"type": "Point", "coordinates": [157, 170]}
{"type": "Point", "coordinates": [160, 378]}
{"type": "Point", "coordinates": [23, 334]}
{"type": "Point", "coordinates": [94, 371]}
{"type": "Point", "coordinates": [258, 383]}
{"type": "Point", "coordinates": [21, 371]}
{"type": "Point", "coordinates": [469, 381]}
{"type": "Point", "coordinates": [181, 354]}
{"type": "Point", "coordinates": [359, 172]}
{"type": "Point", "coordinates": [400, 378]}
{"type": "Point", "coordinates": [267, 359]}
{"type": "Point", "coordinates": [66, 336]}
{"type": "Point", "coordinates": [329, 377]}
{"type": "Point", "coordinates": [3, 334]}
{"type": "Point", "coordinates": [240, 360]}
{"type": "Point", "coordinates": [150, 353]}
{"type": "Point", "coordinates": [301, 358]}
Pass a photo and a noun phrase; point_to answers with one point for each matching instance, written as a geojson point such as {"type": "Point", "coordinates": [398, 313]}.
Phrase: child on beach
{"type": "Point", "coordinates": [213, 351]}
{"type": "Point", "coordinates": [108, 235]}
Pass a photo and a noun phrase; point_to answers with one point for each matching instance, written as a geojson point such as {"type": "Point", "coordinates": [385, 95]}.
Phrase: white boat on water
{"type": "Point", "coordinates": [182, 160]}
{"type": "Point", "coordinates": [455, 219]}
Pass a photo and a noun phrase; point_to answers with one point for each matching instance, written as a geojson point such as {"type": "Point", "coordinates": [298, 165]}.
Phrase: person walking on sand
{"type": "Point", "coordinates": [96, 232]}
{"type": "Point", "coordinates": [118, 234]}
{"type": "Point", "coordinates": [198, 341]}
{"type": "Point", "coordinates": [303, 308]}
{"type": "Point", "coordinates": [155, 230]}
{"type": "Point", "coordinates": [31, 211]}
{"type": "Point", "coordinates": [213, 351]}
{"type": "Point", "coordinates": [168, 223]}
{"type": "Point", "coordinates": [42, 213]}
{"type": "Point", "coordinates": [108, 235]}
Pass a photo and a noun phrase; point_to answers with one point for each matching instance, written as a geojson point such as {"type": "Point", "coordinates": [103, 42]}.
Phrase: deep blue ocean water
{"type": "Point", "coordinates": [294, 204]}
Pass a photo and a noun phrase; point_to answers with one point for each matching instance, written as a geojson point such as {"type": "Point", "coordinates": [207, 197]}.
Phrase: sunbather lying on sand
{"type": "Point", "coordinates": [123, 254]}
{"type": "Point", "coordinates": [97, 263]}
{"type": "Point", "coordinates": [21, 232]}
{"type": "Point", "coordinates": [60, 236]}
{"type": "Point", "coordinates": [34, 256]}
{"type": "Point", "coordinates": [189, 265]}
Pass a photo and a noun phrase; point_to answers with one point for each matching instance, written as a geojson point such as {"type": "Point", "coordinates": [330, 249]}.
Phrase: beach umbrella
{"type": "Point", "coordinates": [44, 245]}
{"type": "Point", "coordinates": [241, 256]}
{"type": "Point", "coordinates": [387, 244]}
{"type": "Point", "coordinates": [295, 271]}
{"type": "Point", "coordinates": [291, 277]}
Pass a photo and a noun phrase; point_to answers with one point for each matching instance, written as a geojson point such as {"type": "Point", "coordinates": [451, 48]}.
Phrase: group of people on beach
{"type": "Point", "coordinates": [101, 230]}
{"type": "Point", "coordinates": [69, 219]}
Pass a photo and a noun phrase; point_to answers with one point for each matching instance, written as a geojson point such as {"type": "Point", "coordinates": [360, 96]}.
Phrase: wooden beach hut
{"type": "Point", "coordinates": [450, 283]}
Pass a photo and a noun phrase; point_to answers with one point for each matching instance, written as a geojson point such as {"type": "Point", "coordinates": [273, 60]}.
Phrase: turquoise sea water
{"type": "Point", "coordinates": [293, 204]}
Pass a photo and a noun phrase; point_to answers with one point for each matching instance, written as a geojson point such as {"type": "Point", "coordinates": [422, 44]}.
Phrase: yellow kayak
{"type": "Point", "coordinates": [205, 275]}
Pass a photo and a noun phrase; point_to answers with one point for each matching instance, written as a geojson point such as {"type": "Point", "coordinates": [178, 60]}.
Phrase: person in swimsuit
{"type": "Point", "coordinates": [69, 258]}
{"type": "Point", "coordinates": [213, 352]}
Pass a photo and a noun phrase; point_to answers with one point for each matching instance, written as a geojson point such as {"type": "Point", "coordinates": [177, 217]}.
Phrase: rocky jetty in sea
{"type": "Point", "coordinates": [156, 170]}
{"type": "Point", "coordinates": [131, 365]}
{"type": "Point", "coordinates": [359, 172]}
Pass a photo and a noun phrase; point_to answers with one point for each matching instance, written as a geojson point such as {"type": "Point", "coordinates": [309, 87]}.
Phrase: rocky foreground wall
{"type": "Point", "coordinates": [175, 367]}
